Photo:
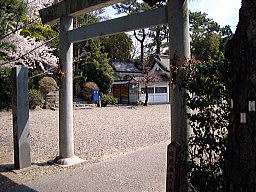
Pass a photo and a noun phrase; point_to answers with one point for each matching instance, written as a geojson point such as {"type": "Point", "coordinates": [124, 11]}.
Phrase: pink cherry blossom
{"type": "Point", "coordinates": [30, 52]}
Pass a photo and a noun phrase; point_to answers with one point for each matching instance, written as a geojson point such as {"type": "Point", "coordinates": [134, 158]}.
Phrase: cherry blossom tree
{"type": "Point", "coordinates": [28, 51]}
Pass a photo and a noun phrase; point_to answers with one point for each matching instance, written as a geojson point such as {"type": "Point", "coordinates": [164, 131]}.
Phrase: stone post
{"type": "Point", "coordinates": [179, 47]}
{"type": "Point", "coordinates": [66, 136]}
{"type": "Point", "coordinates": [20, 111]}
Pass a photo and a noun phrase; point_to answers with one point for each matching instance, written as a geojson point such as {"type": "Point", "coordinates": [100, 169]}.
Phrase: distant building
{"type": "Point", "coordinates": [158, 91]}
{"type": "Point", "coordinates": [127, 91]}
{"type": "Point", "coordinates": [123, 89]}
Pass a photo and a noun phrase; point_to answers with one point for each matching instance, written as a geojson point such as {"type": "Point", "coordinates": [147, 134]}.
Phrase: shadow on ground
{"type": "Point", "coordinates": [8, 185]}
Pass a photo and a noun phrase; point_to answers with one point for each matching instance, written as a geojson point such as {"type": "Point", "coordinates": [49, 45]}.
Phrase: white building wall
{"type": "Point", "coordinates": [156, 98]}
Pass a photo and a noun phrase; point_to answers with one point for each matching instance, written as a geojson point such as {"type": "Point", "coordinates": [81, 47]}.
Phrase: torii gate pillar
{"type": "Point", "coordinates": [179, 48]}
{"type": "Point", "coordinates": [66, 137]}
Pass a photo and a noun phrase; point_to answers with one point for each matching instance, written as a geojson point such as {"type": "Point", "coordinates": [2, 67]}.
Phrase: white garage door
{"type": "Point", "coordinates": [160, 95]}
{"type": "Point", "coordinates": [156, 95]}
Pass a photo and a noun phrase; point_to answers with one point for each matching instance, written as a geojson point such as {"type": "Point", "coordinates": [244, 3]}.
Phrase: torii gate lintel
{"type": "Point", "coordinates": [52, 14]}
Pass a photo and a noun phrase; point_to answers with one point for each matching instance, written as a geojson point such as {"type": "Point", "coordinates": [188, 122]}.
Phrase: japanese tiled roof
{"type": "Point", "coordinates": [124, 66]}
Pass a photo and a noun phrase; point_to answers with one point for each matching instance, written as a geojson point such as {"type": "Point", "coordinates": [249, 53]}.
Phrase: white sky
{"type": "Point", "coordinates": [224, 12]}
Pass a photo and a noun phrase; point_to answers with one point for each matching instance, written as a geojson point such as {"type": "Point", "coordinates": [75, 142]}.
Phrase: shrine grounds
{"type": "Point", "coordinates": [99, 134]}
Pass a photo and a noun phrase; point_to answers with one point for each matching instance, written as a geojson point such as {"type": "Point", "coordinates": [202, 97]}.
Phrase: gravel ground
{"type": "Point", "coordinates": [99, 133]}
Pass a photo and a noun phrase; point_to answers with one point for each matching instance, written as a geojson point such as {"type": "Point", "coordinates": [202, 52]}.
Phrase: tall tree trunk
{"type": "Point", "coordinates": [240, 157]}
{"type": "Point", "coordinates": [141, 44]}
{"type": "Point", "coordinates": [146, 92]}
{"type": "Point", "coordinates": [158, 40]}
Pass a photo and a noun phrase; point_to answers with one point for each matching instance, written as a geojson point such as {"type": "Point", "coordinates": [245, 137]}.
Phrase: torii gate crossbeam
{"type": "Point", "coordinates": [123, 24]}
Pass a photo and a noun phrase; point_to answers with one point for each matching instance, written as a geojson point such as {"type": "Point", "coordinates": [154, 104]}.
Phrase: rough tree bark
{"type": "Point", "coordinates": [240, 165]}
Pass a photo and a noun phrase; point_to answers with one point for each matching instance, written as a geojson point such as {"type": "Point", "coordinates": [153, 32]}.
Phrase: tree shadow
{"type": "Point", "coordinates": [14, 187]}
{"type": "Point", "coordinates": [8, 185]}
{"type": "Point", "coordinates": [5, 182]}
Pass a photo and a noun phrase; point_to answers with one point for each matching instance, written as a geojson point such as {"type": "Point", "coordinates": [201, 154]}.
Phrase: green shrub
{"type": "Point", "coordinates": [47, 84]}
{"type": "Point", "coordinates": [35, 98]}
{"type": "Point", "coordinates": [86, 94]}
{"type": "Point", "coordinates": [90, 85]}
{"type": "Point", "coordinates": [6, 88]}
{"type": "Point", "coordinates": [107, 99]}
{"type": "Point", "coordinates": [207, 97]}
{"type": "Point", "coordinates": [87, 91]}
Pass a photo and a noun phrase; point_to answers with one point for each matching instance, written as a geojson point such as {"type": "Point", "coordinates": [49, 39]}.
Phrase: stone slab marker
{"type": "Point", "coordinates": [20, 110]}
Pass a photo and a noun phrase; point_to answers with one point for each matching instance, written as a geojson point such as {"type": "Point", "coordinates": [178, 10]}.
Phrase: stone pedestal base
{"type": "Point", "coordinates": [66, 162]}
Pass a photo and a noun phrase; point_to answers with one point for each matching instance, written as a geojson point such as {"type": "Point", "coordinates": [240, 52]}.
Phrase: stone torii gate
{"type": "Point", "coordinates": [175, 15]}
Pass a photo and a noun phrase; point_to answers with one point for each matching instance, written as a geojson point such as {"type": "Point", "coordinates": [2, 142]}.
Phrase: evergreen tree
{"type": "Point", "coordinates": [131, 7]}
{"type": "Point", "coordinates": [118, 46]}
{"type": "Point", "coordinates": [208, 38]}
{"type": "Point", "coordinates": [96, 68]}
